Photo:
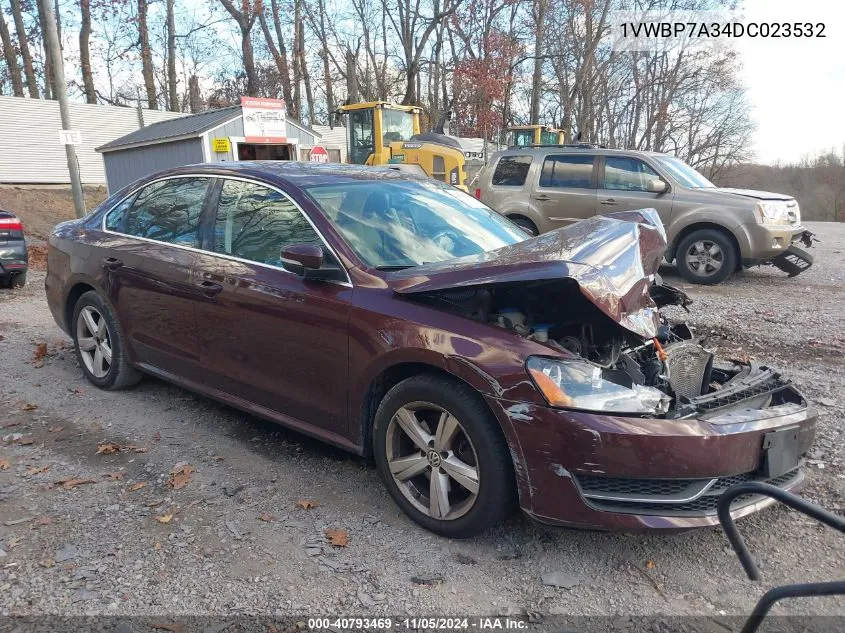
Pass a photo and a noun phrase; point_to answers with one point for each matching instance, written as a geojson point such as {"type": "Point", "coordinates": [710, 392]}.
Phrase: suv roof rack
{"type": "Point", "coordinates": [571, 145]}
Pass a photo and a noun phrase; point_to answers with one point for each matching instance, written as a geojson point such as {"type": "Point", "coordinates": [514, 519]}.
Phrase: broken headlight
{"type": "Point", "coordinates": [580, 385]}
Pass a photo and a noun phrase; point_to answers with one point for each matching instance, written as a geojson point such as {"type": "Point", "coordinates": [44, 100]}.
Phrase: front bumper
{"type": "Point", "coordinates": [767, 242]}
{"type": "Point", "coordinates": [634, 474]}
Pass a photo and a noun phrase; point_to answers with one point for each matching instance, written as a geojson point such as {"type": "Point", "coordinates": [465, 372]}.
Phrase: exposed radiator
{"type": "Point", "coordinates": [689, 368]}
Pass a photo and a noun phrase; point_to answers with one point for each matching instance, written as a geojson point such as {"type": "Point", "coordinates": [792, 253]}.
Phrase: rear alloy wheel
{"type": "Point", "coordinates": [99, 344]}
{"type": "Point", "coordinates": [706, 256]}
{"type": "Point", "coordinates": [18, 281]}
{"type": "Point", "coordinates": [443, 457]}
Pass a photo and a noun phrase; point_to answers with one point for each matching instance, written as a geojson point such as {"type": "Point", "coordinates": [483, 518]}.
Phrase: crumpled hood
{"type": "Point", "coordinates": [757, 195]}
{"type": "Point", "coordinates": [611, 257]}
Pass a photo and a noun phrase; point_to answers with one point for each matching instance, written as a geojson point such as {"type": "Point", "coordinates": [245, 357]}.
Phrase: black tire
{"type": "Point", "coordinates": [18, 281]}
{"type": "Point", "coordinates": [496, 495]}
{"type": "Point", "coordinates": [525, 224]}
{"type": "Point", "coordinates": [700, 243]}
{"type": "Point", "coordinates": [120, 373]}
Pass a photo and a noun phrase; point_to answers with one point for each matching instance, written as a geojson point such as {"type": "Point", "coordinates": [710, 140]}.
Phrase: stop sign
{"type": "Point", "coordinates": [318, 155]}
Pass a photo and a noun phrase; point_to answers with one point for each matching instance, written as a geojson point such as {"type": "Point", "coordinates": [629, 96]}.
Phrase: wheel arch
{"type": "Point", "coordinates": [671, 252]}
{"type": "Point", "coordinates": [71, 299]}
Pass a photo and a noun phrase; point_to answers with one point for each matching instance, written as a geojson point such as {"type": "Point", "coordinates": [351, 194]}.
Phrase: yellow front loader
{"type": "Point", "coordinates": [381, 133]}
{"type": "Point", "coordinates": [526, 135]}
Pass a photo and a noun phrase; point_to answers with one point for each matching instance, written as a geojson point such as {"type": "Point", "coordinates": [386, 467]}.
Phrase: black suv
{"type": "Point", "coordinates": [13, 258]}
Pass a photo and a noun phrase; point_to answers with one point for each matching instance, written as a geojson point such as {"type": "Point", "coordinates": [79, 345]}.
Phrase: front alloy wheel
{"type": "Point", "coordinates": [432, 461]}
{"type": "Point", "coordinates": [94, 339]}
{"type": "Point", "coordinates": [705, 258]}
{"type": "Point", "coordinates": [442, 456]}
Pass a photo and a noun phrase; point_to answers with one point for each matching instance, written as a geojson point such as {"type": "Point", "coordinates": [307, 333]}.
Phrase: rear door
{"type": "Point", "coordinates": [268, 336]}
{"type": "Point", "coordinates": [565, 189]}
{"type": "Point", "coordinates": [147, 260]}
{"type": "Point", "coordinates": [623, 187]}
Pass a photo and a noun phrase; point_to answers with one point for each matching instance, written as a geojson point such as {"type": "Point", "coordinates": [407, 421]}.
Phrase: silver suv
{"type": "Point", "coordinates": [712, 231]}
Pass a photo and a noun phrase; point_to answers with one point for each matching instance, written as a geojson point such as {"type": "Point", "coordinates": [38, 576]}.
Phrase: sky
{"type": "Point", "coordinates": [796, 85]}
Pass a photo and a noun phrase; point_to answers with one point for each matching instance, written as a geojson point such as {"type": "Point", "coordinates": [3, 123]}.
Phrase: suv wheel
{"type": "Point", "coordinates": [706, 256]}
{"type": "Point", "coordinates": [99, 345]}
{"type": "Point", "coordinates": [442, 456]}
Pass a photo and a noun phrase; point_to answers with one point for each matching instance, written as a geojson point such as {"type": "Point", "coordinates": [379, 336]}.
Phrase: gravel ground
{"type": "Point", "coordinates": [230, 538]}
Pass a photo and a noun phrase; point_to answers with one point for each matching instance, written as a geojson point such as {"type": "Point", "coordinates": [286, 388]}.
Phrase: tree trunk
{"type": "Point", "coordinates": [280, 54]}
{"type": "Point", "coordinates": [246, 19]}
{"type": "Point", "coordinates": [352, 93]}
{"type": "Point", "coordinates": [297, 65]}
{"type": "Point", "coordinates": [11, 58]}
{"type": "Point", "coordinates": [306, 77]}
{"type": "Point", "coordinates": [29, 70]}
{"type": "Point", "coordinates": [48, 65]}
{"type": "Point", "coordinates": [146, 56]}
{"type": "Point", "coordinates": [85, 52]}
{"type": "Point", "coordinates": [537, 77]}
{"type": "Point", "coordinates": [194, 97]}
{"type": "Point", "coordinates": [171, 58]}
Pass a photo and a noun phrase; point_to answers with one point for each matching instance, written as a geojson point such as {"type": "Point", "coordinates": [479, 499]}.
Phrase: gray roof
{"type": "Point", "coordinates": [192, 125]}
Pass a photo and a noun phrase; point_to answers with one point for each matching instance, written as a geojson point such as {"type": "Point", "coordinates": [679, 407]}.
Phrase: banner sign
{"type": "Point", "coordinates": [264, 120]}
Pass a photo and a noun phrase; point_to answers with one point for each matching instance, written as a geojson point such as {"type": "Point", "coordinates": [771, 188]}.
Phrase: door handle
{"type": "Point", "coordinates": [542, 198]}
{"type": "Point", "coordinates": [610, 202]}
{"type": "Point", "coordinates": [112, 263]}
{"type": "Point", "coordinates": [210, 288]}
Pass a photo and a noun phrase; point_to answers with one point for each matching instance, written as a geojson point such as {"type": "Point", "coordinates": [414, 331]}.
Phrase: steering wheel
{"type": "Point", "coordinates": [447, 240]}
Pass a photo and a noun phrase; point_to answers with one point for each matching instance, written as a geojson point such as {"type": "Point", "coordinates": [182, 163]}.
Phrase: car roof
{"type": "Point", "coordinates": [290, 173]}
{"type": "Point", "coordinates": [575, 149]}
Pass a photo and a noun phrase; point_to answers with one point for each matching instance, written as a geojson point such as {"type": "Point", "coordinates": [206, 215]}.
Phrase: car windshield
{"type": "Point", "coordinates": [684, 174]}
{"type": "Point", "coordinates": [404, 223]}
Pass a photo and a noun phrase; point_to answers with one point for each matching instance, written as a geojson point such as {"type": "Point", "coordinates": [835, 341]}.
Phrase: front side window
{"type": "Point", "coordinates": [571, 172]}
{"type": "Point", "coordinates": [404, 223]}
{"type": "Point", "coordinates": [398, 126]}
{"type": "Point", "coordinates": [683, 173]}
{"type": "Point", "coordinates": [254, 223]}
{"type": "Point", "coordinates": [627, 174]}
{"type": "Point", "coordinates": [511, 171]}
{"type": "Point", "coordinates": [167, 211]}
{"type": "Point", "coordinates": [360, 136]}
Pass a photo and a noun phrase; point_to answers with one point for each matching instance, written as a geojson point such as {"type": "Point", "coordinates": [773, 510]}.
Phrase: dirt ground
{"type": "Point", "coordinates": [154, 501]}
{"type": "Point", "coordinates": [40, 208]}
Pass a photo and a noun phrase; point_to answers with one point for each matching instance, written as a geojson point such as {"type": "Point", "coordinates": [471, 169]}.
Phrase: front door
{"type": "Point", "coordinates": [266, 335]}
{"type": "Point", "coordinates": [623, 186]}
{"type": "Point", "coordinates": [566, 190]}
{"type": "Point", "coordinates": [147, 256]}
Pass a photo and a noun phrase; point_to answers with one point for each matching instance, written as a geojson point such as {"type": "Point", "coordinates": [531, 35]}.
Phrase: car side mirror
{"type": "Point", "coordinates": [300, 258]}
{"type": "Point", "coordinates": [655, 185]}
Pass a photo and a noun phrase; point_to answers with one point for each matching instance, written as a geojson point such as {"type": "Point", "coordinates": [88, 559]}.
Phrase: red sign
{"type": "Point", "coordinates": [318, 155]}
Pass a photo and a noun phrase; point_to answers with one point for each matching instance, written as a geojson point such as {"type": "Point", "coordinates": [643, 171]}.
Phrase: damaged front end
{"type": "Point", "coordinates": [591, 294]}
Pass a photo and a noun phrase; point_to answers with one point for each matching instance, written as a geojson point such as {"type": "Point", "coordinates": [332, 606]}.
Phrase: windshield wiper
{"type": "Point", "coordinates": [394, 267]}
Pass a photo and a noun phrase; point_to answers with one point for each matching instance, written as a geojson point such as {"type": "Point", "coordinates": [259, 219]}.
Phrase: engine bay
{"type": "Point", "coordinates": [694, 381]}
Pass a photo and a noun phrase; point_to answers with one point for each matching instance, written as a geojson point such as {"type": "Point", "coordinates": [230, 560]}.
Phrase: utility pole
{"type": "Point", "coordinates": [60, 89]}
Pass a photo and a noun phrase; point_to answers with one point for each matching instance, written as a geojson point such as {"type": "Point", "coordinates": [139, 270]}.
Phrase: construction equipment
{"type": "Point", "coordinates": [381, 133]}
{"type": "Point", "coordinates": [524, 135]}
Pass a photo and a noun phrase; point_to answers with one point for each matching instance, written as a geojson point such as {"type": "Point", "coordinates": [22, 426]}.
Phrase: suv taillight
{"type": "Point", "coordinates": [11, 224]}
{"type": "Point", "coordinates": [478, 194]}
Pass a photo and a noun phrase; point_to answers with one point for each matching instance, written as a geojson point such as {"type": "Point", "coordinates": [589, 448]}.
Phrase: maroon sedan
{"type": "Point", "coordinates": [400, 318]}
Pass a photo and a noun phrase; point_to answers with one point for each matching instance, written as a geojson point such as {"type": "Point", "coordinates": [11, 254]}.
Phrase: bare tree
{"type": "Point", "coordinates": [11, 57]}
{"type": "Point", "coordinates": [245, 17]}
{"type": "Point", "coordinates": [23, 45]}
{"type": "Point", "coordinates": [537, 76]}
{"type": "Point", "coordinates": [85, 52]}
{"type": "Point", "coordinates": [146, 56]}
{"type": "Point", "coordinates": [172, 89]}
{"type": "Point", "coordinates": [279, 54]}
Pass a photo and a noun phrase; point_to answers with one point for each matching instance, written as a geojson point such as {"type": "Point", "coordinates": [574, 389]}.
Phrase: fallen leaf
{"type": "Point", "coordinates": [157, 436]}
{"type": "Point", "coordinates": [71, 483]}
{"type": "Point", "coordinates": [157, 546]}
{"type": "Point", "coordinates": [139, 449]}
{"type": "Point", "coordinates": [164, 626]}
{"type": "Point", "coordinates": [29, 407]}
{"type": "Point", "coordinates": [107, 448]}
{"type": "Point", "coordinates": [180, 476]}
{"type": "Point", "coordinates": [650, 564]}
{"type": "Point", "coordinates": [11, 424]}
{"type": "Point", "coordinates": [55, 429]}
{"type": "Point", "coordinates": [338, 537]}
{"type": "Point", "coordinates": [42, 521]}
{"type": "Point", "coordinates": [34, 470]}
{"type": "Point", "coordinates": [306, 504]}
{"type": "Point", "coordinates": [165, 518]}
{"type": "Point", "coordinates": [137, 486]}
{"type": "Point", "coordinates": [47, 562]}
{"type": "Point", "coordinates": [266, 517]}
{"type": "Point", "coordinates": [40, 351]}
{"type": "Point", "coordinates": [4, 464]}
{"type": "Point", "coordinates": [155, 504]}
{"type": "Point", "coordinates": [26, 441]}
{"type": "Point", "coordinates": [116, 476]}
{"type": "Point", "coordinates": [77, 390]}
{"type": "Point", "coordinates": [218, 458]}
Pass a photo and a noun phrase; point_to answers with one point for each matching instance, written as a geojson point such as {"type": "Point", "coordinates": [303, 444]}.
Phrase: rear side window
{"type": "Point", "coordinates": [573, 172]}
{"type": "Point", "coordinates": [167, 211]}
{"type": "Point", "coordinates": [254, 223]}
{"type": "Point", "coordinates": [511, 171]}
{"type": "Point", "coordinates": [627, 174]}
